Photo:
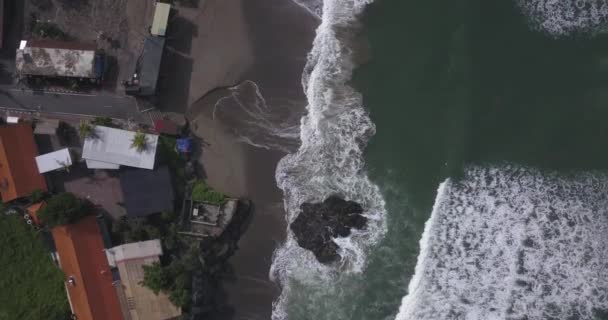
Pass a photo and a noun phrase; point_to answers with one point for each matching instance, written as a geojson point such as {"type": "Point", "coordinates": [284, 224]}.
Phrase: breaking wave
{"type": "Point", "coordinates": [329, 160]}
{"type": "Point", "coordinates": [564, 17]}
{"type": "Point", "coordinates": [509, 242]}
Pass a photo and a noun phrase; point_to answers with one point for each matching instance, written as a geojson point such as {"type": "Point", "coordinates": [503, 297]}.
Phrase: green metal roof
{"type": "Point", "coordinates": [161, 18]}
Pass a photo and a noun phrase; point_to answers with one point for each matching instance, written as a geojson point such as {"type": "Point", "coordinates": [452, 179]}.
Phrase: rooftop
{"type": "Point", "coordinates": [81, 256]}
{"type": "Point", "coordinates": [150, 64]}
{"type": "Point", "coordinates": [140, 303]}
{"type": "Point", "coordinates": [55, 160]}
{"type": "Point", "coordinates": [209, 220]}
{"type": "Point", "coordinates": [135, 250]}
{"type": "Point", "coordinates": [114, 146]}
{"type": "Point", "coordinates": [147, 192]}
{"type": "Point", "coordinates": [161, 18]}
{"type": "Point", "coordinates": [99, 187]}
{"type": "Point", "coordinates": [19, 175]}
{"type": "Point", "coordinates": [56, 59]}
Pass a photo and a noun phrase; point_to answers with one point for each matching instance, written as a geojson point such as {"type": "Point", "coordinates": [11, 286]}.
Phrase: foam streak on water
{"type": "Point", "coordinates": [563, 17]}
{"type": "Point", "coordinates": [329, 160]}
{"type": "Point", "coordinates": [512, 243]}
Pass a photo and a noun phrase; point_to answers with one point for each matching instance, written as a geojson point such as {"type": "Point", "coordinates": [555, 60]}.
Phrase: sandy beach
{"type": "Point", "coordinates": [261, 45]}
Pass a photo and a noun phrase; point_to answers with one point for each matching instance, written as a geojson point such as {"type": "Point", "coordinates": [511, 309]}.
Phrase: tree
{"type": "Point", "coordinates": [202, 192]}
{"type": "Point", "coordinates": [64, 208]}
{"type": "Point", "coordinates": [155, 278]}
{"type": "Point", "coordinates": [139, 142]}
{"type": "Point", "coordinates": [37, 195]}
{"type": "Point", "coordinates": [86, 130]}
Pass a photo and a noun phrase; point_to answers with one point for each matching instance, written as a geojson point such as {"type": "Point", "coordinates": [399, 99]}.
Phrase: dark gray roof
{"type": "Point", "coordinates": [150, 64]}
{"type": "Point", "coordinates": [146, 192]}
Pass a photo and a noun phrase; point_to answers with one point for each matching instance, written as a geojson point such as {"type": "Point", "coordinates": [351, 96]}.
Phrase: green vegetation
{"type": "Point", "coordinates": [139, 142]}
{"type": "Point", "coordinates": [48, 30]}
{"type": "Point", "coordinates": [65, 208]}
{"type": "Point", "coordinates": [175, 278]}
{"type": "Point", "coordinates": [202, 192]}
{"type": "Point", "coordinates": [86, 130]}
{"type": "Point", "coordinates": [102, 121]}
{"type": "Point", "coordinates": [32, 286]}
{"type": "Point", "coordinates": [37, 196]}
{"type": "Point", "coordinates": [177, 165]}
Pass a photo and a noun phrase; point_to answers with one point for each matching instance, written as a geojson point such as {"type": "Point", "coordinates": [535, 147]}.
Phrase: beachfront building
{"type": "Point", "coordinates": [19, 175]}
{"type": "Point", "coordinates": [113, 147]}
{"type": "Point", "coordinates": [146, 192]}
{"type": "Point", "coordinates": [92, 290]}
{"type": "Point", "coordinates": [59, 59]}
{"type": "Point", "coordinates": [208, 219]}
{"type": "Point", "coordinates": [137, 301]}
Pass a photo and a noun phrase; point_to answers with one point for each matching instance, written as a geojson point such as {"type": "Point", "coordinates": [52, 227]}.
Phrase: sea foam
{"type": "Point", "coordinates": [329, 160]}
{"type": "Point", "coordinates": [564, 17]}
{"type": "Point", "coordinates": [508, 242]}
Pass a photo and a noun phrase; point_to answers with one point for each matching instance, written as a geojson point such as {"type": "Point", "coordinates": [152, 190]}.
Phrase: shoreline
{"type": "Point", "coordinates": [279, 36]}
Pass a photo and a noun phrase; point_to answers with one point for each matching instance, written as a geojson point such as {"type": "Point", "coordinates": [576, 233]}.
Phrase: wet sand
{"type": "Point", "coordinates": [267, 41]}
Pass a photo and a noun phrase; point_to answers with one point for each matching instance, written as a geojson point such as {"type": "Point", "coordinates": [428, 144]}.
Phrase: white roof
{"type": "Point", "coordinates": [92, 164]}
{"type": "Point", "coordinates": [114, 146]}
{"type": "Point", "coordinates": [135, 250]}
{"type": "Point", "coordinates": [12, 119]}
{"type": "Point", "coordinates": [161, 19]}
{"type": "Point", "coordinates": [54, 160]}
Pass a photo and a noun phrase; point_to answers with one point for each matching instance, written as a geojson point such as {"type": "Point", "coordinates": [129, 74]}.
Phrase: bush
{"type": "Point", "coordinates": [102, 121]}
{"type": "Point", "coordinates": [37, 196]}
{"type": "Point", "coordinates": [49, 30]}
{"type": "Point", "coordinates": [65, 208]}
{"type": "Point", "coordinates": [202, 192]}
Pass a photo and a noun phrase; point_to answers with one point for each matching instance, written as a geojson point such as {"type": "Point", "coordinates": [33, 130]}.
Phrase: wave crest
{"type": "Point", "coordinates": [329, 160]}
{"type": "Point", "coordinates": [512, 243]}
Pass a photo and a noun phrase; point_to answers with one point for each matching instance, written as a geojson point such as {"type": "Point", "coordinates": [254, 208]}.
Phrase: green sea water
{"type": "Point", "coordinates": [451, 84]}
{"type": "Point", "coordinates": [461, 82]}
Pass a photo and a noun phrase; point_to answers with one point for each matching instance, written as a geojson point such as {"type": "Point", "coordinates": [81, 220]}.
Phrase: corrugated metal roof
{"type": "Point", "coordinates": [150, 64]}
{"type": "Point", "coordinates": [92, 164]}
{"type": "Point", "coordinates": [114, 146]}
{"type": "Point", "coordinates": [161, 19]}
{"type": "Point", "coordinates": [54, 160]}
{"type": "Point", "coordinates": [135, 250]}
{"type": "Point", "coordinates": [147, 192]}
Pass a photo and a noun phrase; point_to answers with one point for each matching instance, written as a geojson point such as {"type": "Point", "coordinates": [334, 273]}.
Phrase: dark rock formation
{"type": "Point", "coordinates": [319, 223]}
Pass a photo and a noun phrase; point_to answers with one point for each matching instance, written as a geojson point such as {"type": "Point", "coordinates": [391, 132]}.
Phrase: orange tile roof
{"type": "Point", "coordinates": [19, 175]}
{"type": "Point", "coordinates": [81, 255]}
{"type": "Point", "coordinates": [33, 211]}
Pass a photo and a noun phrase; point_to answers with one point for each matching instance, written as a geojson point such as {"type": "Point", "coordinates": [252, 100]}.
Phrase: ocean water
{"type": "Point", "coordinates": [476, 140]}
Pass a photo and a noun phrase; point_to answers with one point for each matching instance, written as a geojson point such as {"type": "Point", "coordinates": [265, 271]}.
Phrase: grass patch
{"type": "Point", "coordinates": [202, 192]}
{"type": "Point", "coordinates": [32, 285]}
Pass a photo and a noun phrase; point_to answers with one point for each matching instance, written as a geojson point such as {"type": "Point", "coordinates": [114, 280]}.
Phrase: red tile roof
{"type": "Point", "coordinates": [33, 211]}
{"type": "Point", "coordinates": [19, 175]}
{"type": "Point", "coordinates": [81, 255]}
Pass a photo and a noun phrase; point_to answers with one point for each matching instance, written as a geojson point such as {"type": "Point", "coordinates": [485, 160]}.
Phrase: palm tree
{"type": "Point", "coordinates": [140, 141]}
{"type": "Point", "coordinates": [86, 130]}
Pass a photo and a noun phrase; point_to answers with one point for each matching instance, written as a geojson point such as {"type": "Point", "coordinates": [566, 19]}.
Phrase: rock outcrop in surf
{"type": "Point", "coordinates": [319, 223]}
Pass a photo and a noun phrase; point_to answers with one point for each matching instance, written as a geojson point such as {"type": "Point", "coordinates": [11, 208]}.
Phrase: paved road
{"type": "Point", "coordinates": [102, 104]}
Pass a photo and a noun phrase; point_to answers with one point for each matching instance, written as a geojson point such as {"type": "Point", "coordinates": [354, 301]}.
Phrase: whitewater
{"type": "Point", "coordinates": [510, 242]}
{"type": "Point", "coordinates": [329, 160]}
